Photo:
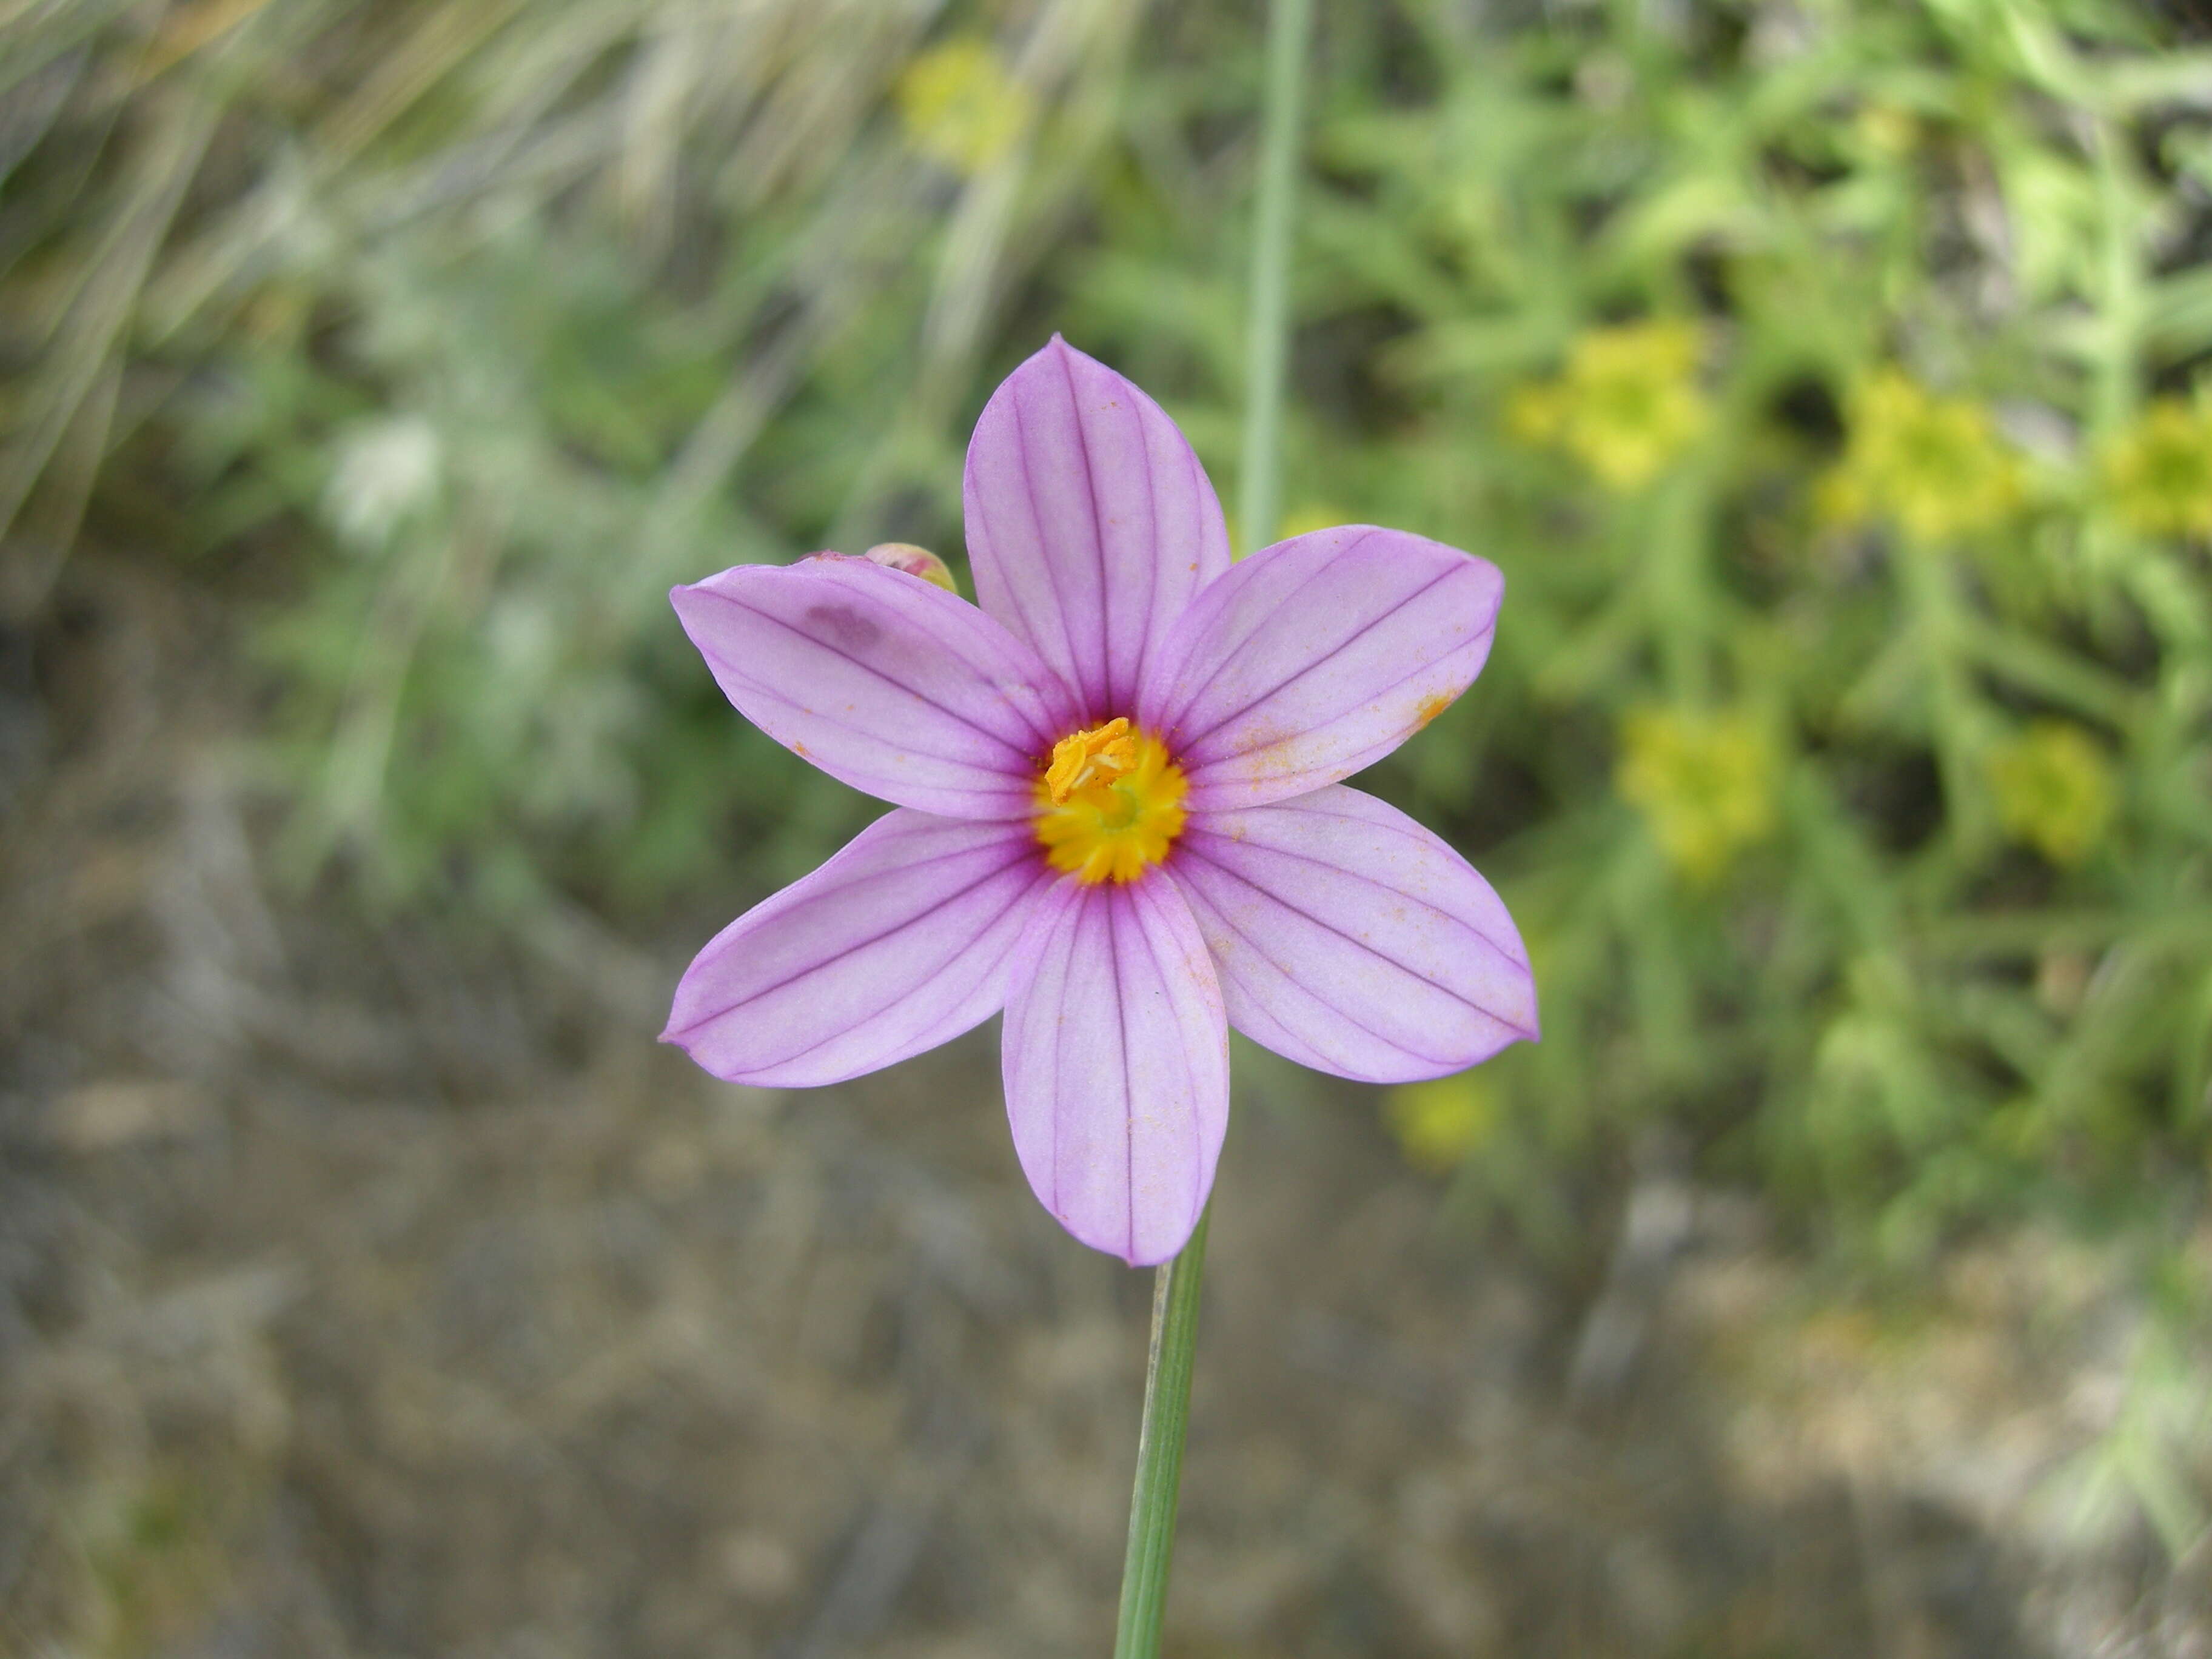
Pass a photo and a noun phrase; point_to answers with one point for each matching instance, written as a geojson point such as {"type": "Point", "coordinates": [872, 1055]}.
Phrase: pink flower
{"type": "Point", "coordinates": [1117, 809]}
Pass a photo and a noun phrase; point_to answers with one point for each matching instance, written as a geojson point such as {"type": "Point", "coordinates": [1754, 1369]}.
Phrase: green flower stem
{"type": "Point", "coordinates": [1175, 1291]}
{"type": "Point", "coordinates": [1159, 1448]}
{"type": "Point", "coordinates": [1672, 521]}
{"type": "Point", "coordinates": [1266, 341]}
{"type": "Point", "coordinates": [1930, 593]}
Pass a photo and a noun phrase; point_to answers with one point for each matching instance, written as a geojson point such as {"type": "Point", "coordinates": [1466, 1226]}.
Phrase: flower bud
{"type": "Point", "coordinates": [915, 562]}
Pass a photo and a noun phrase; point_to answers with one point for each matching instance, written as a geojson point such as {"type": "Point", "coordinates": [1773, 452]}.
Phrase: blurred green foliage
{"type": "Point", "coordinates": [1845, 752]}
{"type": "Point", "coordinates": [1823, 375]}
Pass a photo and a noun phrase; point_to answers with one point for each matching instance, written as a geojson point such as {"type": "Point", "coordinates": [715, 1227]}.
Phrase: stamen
{"type": "Point", "coordinates": [1098, 755]}
{"type": "Point", "coordinates": [1110, 804]}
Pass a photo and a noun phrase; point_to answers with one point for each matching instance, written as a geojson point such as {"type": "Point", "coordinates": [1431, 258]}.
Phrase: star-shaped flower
{"type": "Point", "coordinates": [1118, 814]}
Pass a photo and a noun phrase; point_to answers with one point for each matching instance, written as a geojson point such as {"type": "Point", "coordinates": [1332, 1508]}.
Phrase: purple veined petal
{"type": "Point", "coordinates": [897, 944]}
{"type": "Point", "coordinates": [1350, 939]}
{"type": "Point", "coordinates": [1116, 1063]}
{"type": "Point", "coordinates": [1091, 523]}
{"type": "Point", "coordinates": [882, 680]}
{"type": "Point", "coordinates": [1315, 657]}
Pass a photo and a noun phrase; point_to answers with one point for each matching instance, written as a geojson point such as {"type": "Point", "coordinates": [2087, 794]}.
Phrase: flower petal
{"type": "Point", "coordinates": [1091, 523]}
{"type": "Point", "coordinates": [897, 944]}
{"type": "Point", "coordinates": [1350, 939]}
{"type": "Point", "coordinates": [879, 679]}
{"type": "Point", "coordinates": [1315, 657]}
{"type": "Point", "coordinates": [1117, 1066]}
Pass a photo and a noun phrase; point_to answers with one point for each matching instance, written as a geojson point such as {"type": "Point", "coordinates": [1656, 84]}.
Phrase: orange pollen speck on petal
{"type": "Point", "coordinates": [1110, 804]}
{"type": "Point", "coordinates": [1431, 705]}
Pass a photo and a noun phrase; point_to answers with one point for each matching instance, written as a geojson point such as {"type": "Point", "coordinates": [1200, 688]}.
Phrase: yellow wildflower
{"type": "Point", "coordinates": [2054, 789]}
{"type": "Point", "coordinates": [2159, 472]}
{"type": "Point", "coordinates": [1537, 413]}
{"type": "Point", "coordinates": [1933, 466]}
{"type": "Point", "coordinates": [1705, 782]}
{"type": "Point", "coordinates": [1302, 521]}
{"type": "Point", "coordinates": [960, 104]}
{"type": "Point", "coordinates": [1625, 405]}
{"type": "Point", "coordinates": [1298, 522]}
{"type": "Point", "coordinates": [1437, 1123]}
{"type": "Point", "coordinates": [1887, 130]}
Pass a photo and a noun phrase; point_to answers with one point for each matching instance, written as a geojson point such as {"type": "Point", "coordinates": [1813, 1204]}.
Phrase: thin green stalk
{"type": "Point", "coordinates": [1159, 1448]}
{"type": "Point", "coordinates": [1175, 1287]}
{"type": "Point", "coordinates": [1266, 341]}
{"type": "Point", "coordinates": [1930, 594]}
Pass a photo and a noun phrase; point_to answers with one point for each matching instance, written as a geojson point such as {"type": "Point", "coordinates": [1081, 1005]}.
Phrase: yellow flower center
{"type": "Point", "coordinates": [1110, 804]}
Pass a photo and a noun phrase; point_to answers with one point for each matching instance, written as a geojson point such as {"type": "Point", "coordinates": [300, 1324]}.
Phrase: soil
{"type": "Point", "coordinates": [380, 1288]}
